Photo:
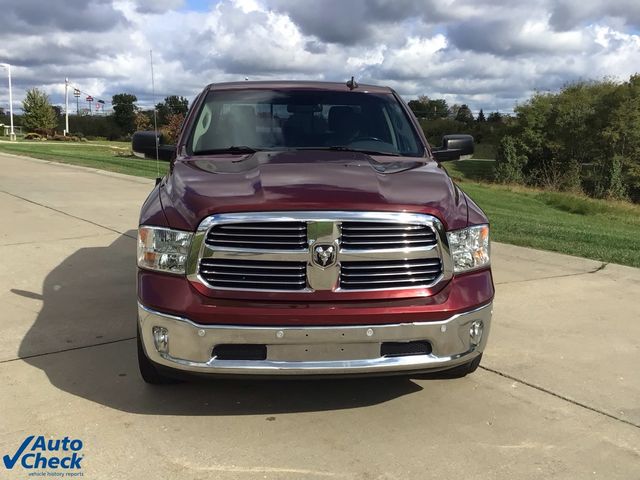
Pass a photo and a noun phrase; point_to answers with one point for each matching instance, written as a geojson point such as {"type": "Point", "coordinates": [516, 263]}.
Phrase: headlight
{"type": "Point", "coordinates": [163, 249]}
{"type": "Point", "coordinates": [469, 248]}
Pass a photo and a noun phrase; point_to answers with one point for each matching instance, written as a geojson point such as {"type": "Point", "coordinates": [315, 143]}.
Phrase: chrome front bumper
{"type": "Point", "coordinates": [313, 350]}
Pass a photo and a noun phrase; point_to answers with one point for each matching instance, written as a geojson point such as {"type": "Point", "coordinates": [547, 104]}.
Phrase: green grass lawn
{"type": "Point", "coordinates": [112, 156]}
{"type": "Point", "coordinates": [473, 170]}
{"type": "Point", "coordinates": [561, 222]}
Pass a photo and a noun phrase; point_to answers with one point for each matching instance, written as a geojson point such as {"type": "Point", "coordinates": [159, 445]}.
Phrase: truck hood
{"type": "Point", "coordinates": [308, 180]}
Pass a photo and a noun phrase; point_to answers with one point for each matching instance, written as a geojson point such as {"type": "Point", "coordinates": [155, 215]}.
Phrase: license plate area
{"type": "Point", "coordinates": [323, 352]}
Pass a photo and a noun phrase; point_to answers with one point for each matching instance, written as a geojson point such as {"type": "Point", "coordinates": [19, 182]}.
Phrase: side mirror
{"type": "Point", "coordinates": [143, 145]}
{"type": "Point", "coordinates": [454, 147]}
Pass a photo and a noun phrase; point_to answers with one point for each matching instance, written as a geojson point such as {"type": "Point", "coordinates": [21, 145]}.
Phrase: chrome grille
{"type": "Point", "coordinates": [276, 251]}
{"type": "Point", "coordinates": [262, 235]}
{"type": "Point", "coordinates": [384, 235]}
{"type": "Point", "coordinates": [253, 274]}
{"type": "Point", "coordinates": [386, 274]}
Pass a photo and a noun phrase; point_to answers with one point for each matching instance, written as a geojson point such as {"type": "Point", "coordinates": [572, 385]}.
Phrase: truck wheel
{"type": "Point", "coordinates": [148, 371]}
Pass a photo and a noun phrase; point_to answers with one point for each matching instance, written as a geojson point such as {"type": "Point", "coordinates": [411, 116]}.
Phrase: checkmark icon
{"type": "Point", "coordinates": [10, 462]}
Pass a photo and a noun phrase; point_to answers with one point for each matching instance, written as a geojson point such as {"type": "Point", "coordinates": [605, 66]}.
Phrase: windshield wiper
{"type": "Point", "coordinates": [232, 149]}
{"type": "Point", "coordinates": [342, 148]}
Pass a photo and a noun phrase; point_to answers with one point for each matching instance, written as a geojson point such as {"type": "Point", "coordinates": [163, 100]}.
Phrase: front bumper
{"type": "Point", "coordinates": [325, 350]}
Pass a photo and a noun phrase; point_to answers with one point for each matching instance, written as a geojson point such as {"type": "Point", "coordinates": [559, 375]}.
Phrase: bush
{"type": "Point", "coordinates": [96, 126]}
{"type": "Point", "coordinates": [617, 189]}
{"type": "Point", "coordinates": [32, 136]}
{"type": "Point", "coordinates": [509, 161]}
{"type": "Point", "coordinates": [43, 132]}
{"type": "Point", "coordinates": [572, 179]}
{"type": "Point", "coordinates": [60, 138]}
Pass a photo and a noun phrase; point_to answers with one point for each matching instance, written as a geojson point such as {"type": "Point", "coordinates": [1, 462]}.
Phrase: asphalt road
{"type": "Point", "coordinates": [557, 396]}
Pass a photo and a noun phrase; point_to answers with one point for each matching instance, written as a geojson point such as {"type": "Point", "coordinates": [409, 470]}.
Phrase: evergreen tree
{"type": "Point", "coordinates": [495, 117]}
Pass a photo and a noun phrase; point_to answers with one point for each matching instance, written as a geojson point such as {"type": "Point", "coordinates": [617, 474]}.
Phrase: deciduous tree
{"type": "Point", "coordinates": [38, 113]}
{"type": "Point", "coordinates": [464, 114]}
{"type": "Point", "coordinates": [172, 105]}
{"type": "Point", "coordinates": [124, 111]}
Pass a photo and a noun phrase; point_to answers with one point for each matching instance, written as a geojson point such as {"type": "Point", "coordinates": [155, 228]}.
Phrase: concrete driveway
{"type": "Point", "coordinates": [558, 394]}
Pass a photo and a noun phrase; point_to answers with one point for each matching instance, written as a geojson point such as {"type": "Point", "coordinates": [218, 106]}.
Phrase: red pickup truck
{"type": "Point", "coordinates": [307, 228]}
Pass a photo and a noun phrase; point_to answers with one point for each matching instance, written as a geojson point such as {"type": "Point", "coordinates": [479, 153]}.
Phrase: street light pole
{"type": "Point", "coordinates": [12, 135]}
{"type": "Point", "coordinates": [66, 107]}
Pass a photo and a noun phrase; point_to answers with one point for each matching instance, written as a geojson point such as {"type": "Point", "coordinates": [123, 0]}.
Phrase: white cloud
{"type": "Point", "coordinates": [476, 52]}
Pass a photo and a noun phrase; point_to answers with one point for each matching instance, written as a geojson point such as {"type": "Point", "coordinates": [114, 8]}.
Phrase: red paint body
{"type": "Point", "coordinates": [197, 187]}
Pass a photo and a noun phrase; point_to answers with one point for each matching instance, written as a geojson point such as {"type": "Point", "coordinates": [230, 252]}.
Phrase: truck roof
{"type": "Point", "coordinates": [294, 84]}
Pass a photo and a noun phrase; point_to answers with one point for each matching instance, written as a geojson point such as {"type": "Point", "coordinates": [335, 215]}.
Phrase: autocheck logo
{"type": "Point", "coordinates": [36, 452]}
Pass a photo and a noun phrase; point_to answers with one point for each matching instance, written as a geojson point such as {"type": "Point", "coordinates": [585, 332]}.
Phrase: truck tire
{"type": "Point", "coordinates": [148, 371]}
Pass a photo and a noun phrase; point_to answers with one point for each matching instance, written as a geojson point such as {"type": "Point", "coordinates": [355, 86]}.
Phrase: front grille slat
{"type": "Point", "coordinates": [222, 235]}
{"type": "Point", "coordinates": [259, 235]}
{"type": "Point", "coordinates": [433, 271]}
{"type": "Point", "coordinates": [372, 275]}
{"type": "Point", "coordinates": [360, 226]}
{"type": "Point", "coordinates": [398, 242]}
{"type": "Point", "coordinates": [264, 226]}
{"type": "Point", "coordinates": [261, 282]}
{"type": "Point", "coordinates": [392, 264]}
{"type": "Point", "coordinates": [253, 274]}
{"type": "Point", "coordinates": [255, 266]}
{"type": "Point", "coordinates": [383, 235]}
{"type": "Point", "coordinates": [420, 280]}
{"type": "Point", "coordinates": [265, 244]}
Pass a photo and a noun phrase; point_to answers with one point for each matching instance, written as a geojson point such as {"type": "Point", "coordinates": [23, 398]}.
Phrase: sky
{"type": "Point", "coordinates": [489, 54]}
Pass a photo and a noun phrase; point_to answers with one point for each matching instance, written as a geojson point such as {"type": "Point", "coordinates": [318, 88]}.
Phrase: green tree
{"type": "Point", "coordinates": [429, 109]}
{"type": "Point", "coordinates": [38, 113]}
{"type": "Point", "coordinates": [452, 112]}
{"type": "Point", "coordinates": [481, 118]}
{"type": "Point", "coordinates": [509, 161]}
{"type": "Point", "coordinates": [464, 115]}
{"type": "Point", "coordinates": [172, 105]}
{"type": "Point", "coordinates": [495, 117]}
{"type": "Point", "coordinates": [437, 108]}
{"type": "Point", "coordinates": [124, 111]}
{"type": "Point", "coordinates": [584, 137]}
{"type": "Point", "coordinates": [419, 106]}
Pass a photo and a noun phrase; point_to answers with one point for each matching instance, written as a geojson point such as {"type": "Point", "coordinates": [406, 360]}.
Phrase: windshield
{"type": "Point", "coordinates": [246, 120]}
